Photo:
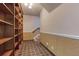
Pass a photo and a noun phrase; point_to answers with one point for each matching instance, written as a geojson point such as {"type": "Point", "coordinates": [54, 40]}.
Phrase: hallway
{"type": "Point", "coordinates": [55, 26]}
{"type": "Point", "coordinates": [29, 48]}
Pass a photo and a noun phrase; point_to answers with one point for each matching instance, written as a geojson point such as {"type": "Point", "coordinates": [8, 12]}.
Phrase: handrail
{"type": "Point", "coordinates": [36, 30]}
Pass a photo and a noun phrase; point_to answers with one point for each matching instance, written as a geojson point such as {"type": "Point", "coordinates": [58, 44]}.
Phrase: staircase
{"type": "Point", "coordinates": [36, 33]}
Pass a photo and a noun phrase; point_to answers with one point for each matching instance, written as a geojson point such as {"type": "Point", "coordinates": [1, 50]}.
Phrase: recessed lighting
{"type": "Point", "coordinates": [30, 7]}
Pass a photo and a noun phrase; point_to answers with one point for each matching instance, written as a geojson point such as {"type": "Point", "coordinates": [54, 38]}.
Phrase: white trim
{"type": "Point", "coordinates": [64, 35]}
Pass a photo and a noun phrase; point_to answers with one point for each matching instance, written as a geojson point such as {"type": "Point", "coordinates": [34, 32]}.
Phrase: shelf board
{"type": "Point", "coordinates": [17, 34]}
{"type": "Point", "coordinates": [3, 40]}
{"type": "Point", "coordinates": [17, 19]}
{"type": "Point", "coordinates": [8, 53]}
{"type": "Point", "coordinates": [5, 22]}
{"type": "Point", "coordinates": [17, 52]}
{"type": "Point", "coordinates": [8, 9]}
{"type": "Point", "coordinates": [20, 40]}
{"type": "Point", "coordinates": [17, 9]}
{"type": "Point", "coordinates": [17, 28]}
{"type": "Point", "coordinates": [16, 43]}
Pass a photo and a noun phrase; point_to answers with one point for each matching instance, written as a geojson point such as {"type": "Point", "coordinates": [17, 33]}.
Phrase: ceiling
{"type": "Point", "coordinates": [50, 6]}
{"type": "Point", "coordinates": [37, 7]}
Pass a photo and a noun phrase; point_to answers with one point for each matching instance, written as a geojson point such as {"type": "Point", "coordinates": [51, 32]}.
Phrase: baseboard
{"type": "Point", "coordinates": [48, 49]}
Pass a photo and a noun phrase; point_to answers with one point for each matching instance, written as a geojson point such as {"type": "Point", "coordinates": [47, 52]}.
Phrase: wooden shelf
{"type": "Point", "coordinates": [8, 53]}
{"type": "Point", "coordinates": [5, 22]}
{"type": "Point", "coordinates": [17, 9]}
{"type": "Point", "coordinates": [10, 6]}
{"type": "Point", "coordinates": [17, 18]}
{"type": "Point", "coordinates": [18, 28]}
{"type": "Point", "coordinates": [20, 40]}
{"type": "Point", "coordinates": [11, 28]}
{"type": "Point", "coordinates": [16, 43]}
{"type": "Point", "coordinates": [17, 52]}
{"type": "Point", "coordinates": [8, 9]}
{"type": "Point", "coordinates": [17, 34]}
{"type": "Point", "coordinates": [3, 40]}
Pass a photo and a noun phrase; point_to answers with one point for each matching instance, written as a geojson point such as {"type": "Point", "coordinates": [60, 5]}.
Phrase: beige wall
{"type": "Point", "coordinates": [62, 20]}
{"type": "Point", "coordinates": [60, 29]}
{"type": "Point", "coordinates": [29, 24]}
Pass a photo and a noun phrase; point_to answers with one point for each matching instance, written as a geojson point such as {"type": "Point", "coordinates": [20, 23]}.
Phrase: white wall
{"type": "Point", "coordinates": [62, 20]}
{"type": "Point", "coordinates": [30, 23]}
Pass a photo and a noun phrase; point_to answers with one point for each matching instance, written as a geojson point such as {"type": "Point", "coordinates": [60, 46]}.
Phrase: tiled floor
{"type": "Point", "coordinates": [29, 48]}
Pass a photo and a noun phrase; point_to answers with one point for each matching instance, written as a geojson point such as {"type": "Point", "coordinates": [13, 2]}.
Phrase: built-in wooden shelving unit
{"type": "Point", "coordinates": [3, 40]}
{"type": "Point", "coordinates": [8, 53]}
{"type": "Point", "coordinates": [5, 22]}
{"type": "Point", "coordinates": [11, 28]}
